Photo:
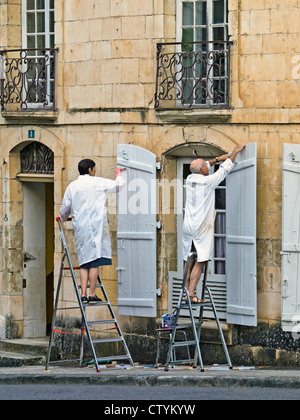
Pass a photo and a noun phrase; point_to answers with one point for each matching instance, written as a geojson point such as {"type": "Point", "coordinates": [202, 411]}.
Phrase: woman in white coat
{"type": "Point", "coordinates": [198, 225]}
{"type": "Point", "coordinates": [85, 200]}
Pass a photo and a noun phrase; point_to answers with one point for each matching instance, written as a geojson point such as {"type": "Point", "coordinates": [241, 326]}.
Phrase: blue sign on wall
{"type": "Point", "coordinates": [31, 134]}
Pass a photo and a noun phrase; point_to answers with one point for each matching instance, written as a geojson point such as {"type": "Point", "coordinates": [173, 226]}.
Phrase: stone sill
{"type": "Point", "coordinates": [28, 177]}
{"type": "Point", "coordinates": [194, 116]}
{"type": "Point", "coordinates": [38, 117]}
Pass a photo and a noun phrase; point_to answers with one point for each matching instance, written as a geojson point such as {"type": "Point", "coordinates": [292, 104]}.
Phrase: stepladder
{"type": "Point", "coordinates": [195, 321]}
{"type": "Point", "coordinates": [99, 324]}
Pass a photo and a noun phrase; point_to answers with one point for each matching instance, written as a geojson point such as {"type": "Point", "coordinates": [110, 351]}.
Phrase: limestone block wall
{"type": "Point", "coordinates": [106, 69]}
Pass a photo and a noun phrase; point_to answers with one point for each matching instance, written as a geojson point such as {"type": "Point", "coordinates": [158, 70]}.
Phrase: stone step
{"type": "Point", "coordinates": [11, 359]}
{"type": "Point", "coordinates": [36, 346]}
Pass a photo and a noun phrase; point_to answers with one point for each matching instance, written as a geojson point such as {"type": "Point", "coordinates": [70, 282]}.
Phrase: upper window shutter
{"type": "Point", "coordinates": [290, 238]}
{"type": "Point", "coordinates": [241, 240]}
{"type": "Point", "coordinates": [137, 233]}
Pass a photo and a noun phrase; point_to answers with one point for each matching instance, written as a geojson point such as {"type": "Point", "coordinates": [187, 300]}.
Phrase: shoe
{"type": "Point", "coordinates": [84, 299]}
{"type": "Point", "coordinates": [194, 300]}
{"type": "Point", "coordinates": [94, 299]}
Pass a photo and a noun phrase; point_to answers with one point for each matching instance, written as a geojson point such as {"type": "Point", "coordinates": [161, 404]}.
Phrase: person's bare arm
{"type": "Point", "coordinates": [231, 156]}
{"type": "Point", "coordinates": [218, 159]}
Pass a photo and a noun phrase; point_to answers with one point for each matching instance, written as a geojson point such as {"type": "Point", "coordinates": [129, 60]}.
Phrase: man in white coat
{"type": "Point", "coordinates": [85, 200]}
{"type": "Point", "coordinates": [198, 225]}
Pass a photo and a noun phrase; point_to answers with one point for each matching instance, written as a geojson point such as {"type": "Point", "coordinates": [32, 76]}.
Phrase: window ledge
{"type": "Point", "coordinates": [30, 116]}
{"type": "Point", "coordinates": [194, 116]}
{"type": "Point", "coordinates": [29, 177]}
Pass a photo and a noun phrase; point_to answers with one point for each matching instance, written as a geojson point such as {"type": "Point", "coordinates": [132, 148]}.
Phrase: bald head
{"type": "Point", "coordinates": [197, 165]}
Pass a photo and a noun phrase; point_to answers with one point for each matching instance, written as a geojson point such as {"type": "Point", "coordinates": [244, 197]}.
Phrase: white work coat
{"type": "Point", "coordinates": [199, 219]}
{"type": "Point", "coordinates": [85, 200]}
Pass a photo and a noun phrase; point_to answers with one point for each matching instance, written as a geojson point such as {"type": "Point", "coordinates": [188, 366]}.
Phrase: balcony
{"type": "Point", "coordinates": [193, 75]}
{"type": "Point", "coordinates": [27, 80]}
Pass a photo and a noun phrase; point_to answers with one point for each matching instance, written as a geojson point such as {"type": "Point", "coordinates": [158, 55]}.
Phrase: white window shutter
{"type": "Point", "coordinates": [241, 239]}
{"type": "Point", "coordinates": [136, 233]}
{"type": "Point", "coordinates": [291, 239]}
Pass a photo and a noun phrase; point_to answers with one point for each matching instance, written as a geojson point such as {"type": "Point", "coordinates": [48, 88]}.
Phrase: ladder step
{"type": "Point", "coordinates": [103, 359]}
{"type": "Point", "coordinates": [69, 307]}
{"type": "Point", "coordinates": [107, 340]}
{"type": "Point", "coordinates": [185, 305]}
{"type": "Point", "coordinates": [183, 343]}
{"type": "Point", "coordinates": [90, 305]}
{"type": "Point", "coordinates": [188, 324]}
{"type": "Point", "coordinates": [86, 305]}
{"type": "Point", "coordinates": [107, 321]}
{"type": "Point", "coordinates": [88, 286]}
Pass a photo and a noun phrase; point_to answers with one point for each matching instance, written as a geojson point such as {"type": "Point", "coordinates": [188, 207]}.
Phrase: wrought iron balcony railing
{"type": "Point", "coordinates": [27, 79]}
{"type": "Point", "coordinates": [193, 75]}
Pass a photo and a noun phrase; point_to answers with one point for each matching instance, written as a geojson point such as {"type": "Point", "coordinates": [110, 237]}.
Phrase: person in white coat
{"type": "Point", "coordinates": [85, 200]}
{"type": "Point", "coordinates": [198, 225]}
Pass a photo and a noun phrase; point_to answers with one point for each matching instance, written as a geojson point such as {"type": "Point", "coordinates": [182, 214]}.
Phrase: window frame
{"type": "Point", "coordinates": [48, 55]}
{"type": "Point", "coordinates": [210, 47]}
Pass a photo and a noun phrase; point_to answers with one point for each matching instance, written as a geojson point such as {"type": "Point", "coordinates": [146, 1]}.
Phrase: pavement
{"type": "Point", "coordinates": [147, 375]}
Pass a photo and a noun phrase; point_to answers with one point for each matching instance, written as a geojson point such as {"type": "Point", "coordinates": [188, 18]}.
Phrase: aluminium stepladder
{"type": "Point", "coordinates": [85, 322]}
{"type": "Point", "coordinates": [196, 326]}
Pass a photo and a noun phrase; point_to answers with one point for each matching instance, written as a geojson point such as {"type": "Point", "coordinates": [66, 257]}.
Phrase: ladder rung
{"type": "Point", "coordinates": [88, 286]}
{"type": "Point", "coordinates": [183, 343]}
{"type": "Point", "coordinates": [90, 305]}
{"type": "Point", "coordinates": [108, 321]}
{"type": "Point", "coordinates": [186, 325]}
{"type": "Point", "coordinates": [69, 307]}
{"type": "Point", "coordinates": [107, 340]}
{"type": "Point", "coordinates": [103, 359]}
{"type": "Point", "coordinates": [185, 305]}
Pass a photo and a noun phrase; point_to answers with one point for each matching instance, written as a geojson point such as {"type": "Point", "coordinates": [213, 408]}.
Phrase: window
{"type": "Point", "coordinates": [202, 29]}
{"type": "Point", "coordinates": [36, 158]}
{"type": "Point", "coordinates": [202, 20]}
{"type": "Point", "coordinates": [38, 40]}
{"type": "Point", "coordinates": [194, 72]}
{"type": "Point", "coordinates": [234, 255]}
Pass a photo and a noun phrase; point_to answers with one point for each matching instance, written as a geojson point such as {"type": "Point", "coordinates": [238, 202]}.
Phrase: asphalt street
{"type": "Point", "coordinates": [163, 394]}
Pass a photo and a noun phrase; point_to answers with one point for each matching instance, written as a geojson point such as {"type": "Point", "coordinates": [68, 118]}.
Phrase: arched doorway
{"type": "Point", "coordinates": [178, 160]}
{"type": "Point", "coordinates": [37, 177]}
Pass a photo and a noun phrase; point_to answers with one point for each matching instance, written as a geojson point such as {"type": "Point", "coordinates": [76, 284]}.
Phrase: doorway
{"type": "Point", "coordinates": [38, 257]}
{"type": "Point", "coordinates": [217, 280]}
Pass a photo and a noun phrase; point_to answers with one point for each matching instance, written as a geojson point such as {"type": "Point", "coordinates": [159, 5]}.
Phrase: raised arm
{"type": "Point", "coordinates": [231, 156]}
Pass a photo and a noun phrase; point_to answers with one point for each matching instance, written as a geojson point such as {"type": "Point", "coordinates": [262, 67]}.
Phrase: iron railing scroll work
{"type": "Point", "coordinates": [27, 79]}
{"type": "Point", "coordinates": [193, 75]}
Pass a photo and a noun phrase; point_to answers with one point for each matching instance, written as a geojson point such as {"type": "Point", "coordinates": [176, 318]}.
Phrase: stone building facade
{"type": "Point", "coordinates": [108, 90]}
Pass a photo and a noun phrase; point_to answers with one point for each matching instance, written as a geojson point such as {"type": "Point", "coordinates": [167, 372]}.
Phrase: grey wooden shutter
{"type": "Point", "coordinates": [241, 240]}
{"type": "Point", "coordinates": [291, 238]}
{"type": "Point", "coordinates": [136, 234]}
